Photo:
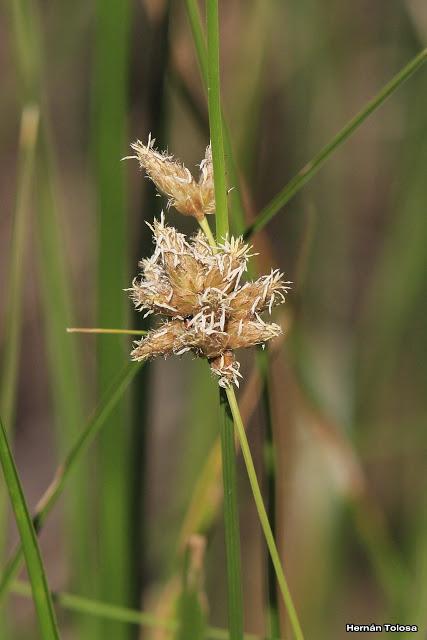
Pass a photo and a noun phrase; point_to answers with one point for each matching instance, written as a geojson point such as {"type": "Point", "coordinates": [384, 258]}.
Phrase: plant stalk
{"type": "Point", "coordinates": [231, 521]}
{"type": "Point", "coordinates": [215, 120]}
{"type": "Point", "coordinates": [262, 513]}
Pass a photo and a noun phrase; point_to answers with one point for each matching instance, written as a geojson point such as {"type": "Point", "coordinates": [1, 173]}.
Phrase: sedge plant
{"type": "Point", "coordinates": [196, 286]}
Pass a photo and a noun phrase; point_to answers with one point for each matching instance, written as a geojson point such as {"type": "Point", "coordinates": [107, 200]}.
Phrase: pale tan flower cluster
{"type": "Point", "coordinates": [206, 307]}
{"type": "Point", "coordinates": [173, 179]}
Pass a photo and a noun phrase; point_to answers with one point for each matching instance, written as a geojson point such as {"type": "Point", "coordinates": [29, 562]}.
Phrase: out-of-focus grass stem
{"type": "Point", "coordinates": [65, 373]}
{"type": "Point", "coordinates": [193, 13]}
{"type": "Point", "coordinates": [28, 138]}
{"type": "Point", "coordinates": [109, 115]}
{"type": "Point", "coordinates": [13, 324]}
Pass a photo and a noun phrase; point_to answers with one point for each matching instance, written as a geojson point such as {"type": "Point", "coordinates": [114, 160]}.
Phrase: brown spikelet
{"type": "Point", "coordinates": [174, 180]}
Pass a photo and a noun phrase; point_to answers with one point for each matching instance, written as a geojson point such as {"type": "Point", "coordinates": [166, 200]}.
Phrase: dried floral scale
{"type": "Point", "coordinates": [197, 288]}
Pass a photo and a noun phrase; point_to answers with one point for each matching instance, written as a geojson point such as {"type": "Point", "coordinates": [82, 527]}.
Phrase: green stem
{"type": "Point", "coordinates": [55, 489]}
{"type": "Point", "coordinates": [204, 225]}
{"type": "Point", "coordinates": [36, 572]}
{"type": "Point", "coordinates": [231, 521]}
{"type": "Point", "coordinates": [235, 197]}
{"type": "Point", "coordinates": [281, 579]}
{"type": "Point", "coordinates": [231, 518]}
{"type": "Point", "coordinates": [215, 119]}
{"type": "Point", "coordinates": [312, 167]}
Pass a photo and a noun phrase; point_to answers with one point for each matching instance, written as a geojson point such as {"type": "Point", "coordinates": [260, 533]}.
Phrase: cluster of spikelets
{"type": "Point", "coordinates": [198, 289]}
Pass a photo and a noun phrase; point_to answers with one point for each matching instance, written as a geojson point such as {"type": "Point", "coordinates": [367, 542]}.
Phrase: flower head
{"type": "Point", "coordinates": [173, 179]}
{"type": "Point", "coordinates": [207, 309]}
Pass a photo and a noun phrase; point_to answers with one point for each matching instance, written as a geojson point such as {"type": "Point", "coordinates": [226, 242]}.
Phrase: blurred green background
{"type": "Point", "coordinates": [347, 387]}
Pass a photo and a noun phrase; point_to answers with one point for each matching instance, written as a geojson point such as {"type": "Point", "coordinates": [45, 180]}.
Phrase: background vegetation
{"type": "Point", "coordinates": [335, 416]}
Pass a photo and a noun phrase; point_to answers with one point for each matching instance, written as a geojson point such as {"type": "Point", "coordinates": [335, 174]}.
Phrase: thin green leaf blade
{"type": "Point", "coordinates": [231, 517]}
{"type": "Point", "coordinates": [312, 167]}
{"type": "Point", "coordinates": [41, 594]}
{"type": "Point", "coordinates": [215, 120]}
{"type": "Point", "coordinates": [235, 197]}
{"type": "Point", "coordinates": [263, 518]}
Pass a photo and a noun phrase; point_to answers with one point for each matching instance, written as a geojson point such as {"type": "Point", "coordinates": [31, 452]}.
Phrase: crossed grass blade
{"type": "Point", "coordinates": [48, 500]}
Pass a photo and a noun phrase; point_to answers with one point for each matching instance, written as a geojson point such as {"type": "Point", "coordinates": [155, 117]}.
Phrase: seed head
{"type": "Point", "coordinates": [206, 308]}
{"type": "Point", "coordinates": [173, 179]}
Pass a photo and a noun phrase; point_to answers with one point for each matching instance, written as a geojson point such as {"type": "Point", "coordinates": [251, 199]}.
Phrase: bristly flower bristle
{"type": "Point", "coordinates": [207, 308]}
{"type": "Point", "coordinates": [173, 179]}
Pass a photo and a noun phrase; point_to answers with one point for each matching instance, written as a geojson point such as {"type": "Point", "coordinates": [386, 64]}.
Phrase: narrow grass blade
{"type": "Point", "coordinates": [40, 590]}
{"type": "Point", "coordinates": [109, 401]}
{"type": "Point", "coordinates": [262, 513]}
{"type": "Point", "coordinates": [312, 167]}
{"type": "Point", "coordinates": [112, 612]}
